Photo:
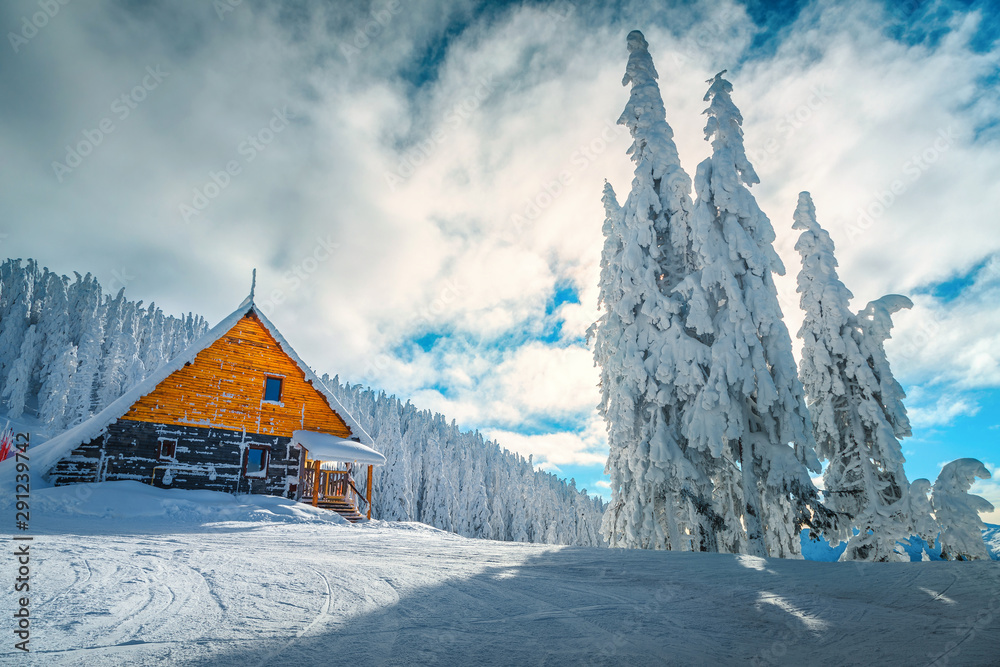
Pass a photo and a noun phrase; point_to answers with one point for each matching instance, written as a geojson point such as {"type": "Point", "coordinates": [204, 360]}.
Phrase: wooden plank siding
{"type": "Point", "coordinates": [224, 388]}
{"type": "Point", "coordinates": [206, 458]}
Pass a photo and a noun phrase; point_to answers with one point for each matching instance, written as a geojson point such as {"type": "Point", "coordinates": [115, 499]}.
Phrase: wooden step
{"type": "Point", "coordinates": [341, 506]}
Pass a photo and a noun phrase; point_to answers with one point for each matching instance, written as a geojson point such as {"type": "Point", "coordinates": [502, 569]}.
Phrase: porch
{"type": "Point", "coordinates": [334, 489]}
{"type": "Point", "coordinates": [326, 474]}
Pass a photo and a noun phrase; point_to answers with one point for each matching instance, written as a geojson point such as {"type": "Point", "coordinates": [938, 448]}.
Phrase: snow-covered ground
{"type": "Point", "coordinates": [124, 574]}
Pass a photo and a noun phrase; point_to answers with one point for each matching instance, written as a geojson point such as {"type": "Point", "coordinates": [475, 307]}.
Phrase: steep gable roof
{"type": "Point", "coordinates": [46, 455]}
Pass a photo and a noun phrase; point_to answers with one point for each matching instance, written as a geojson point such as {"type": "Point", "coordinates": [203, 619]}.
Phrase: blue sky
{"type": "Point", "coordinates": [419, 185]}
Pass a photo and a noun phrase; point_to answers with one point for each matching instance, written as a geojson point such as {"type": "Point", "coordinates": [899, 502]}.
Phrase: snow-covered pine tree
{"type": "Point", "coordinates": [111, 379]}
{"type": "Point", "coordinates": [922, 521]}
{"type": "Point", "coordinates": [58, 355]}
{"type": "Point", "coordinates": [957, 510]}
{"type": "Point", "coordinates": [394, 499]}
{"type": "Point", "coordinates": [151, 349]}
{"type": "Point", "coordinates": [864, 479]}
{"type": "Point", "coordinates": [37, 280]}
{"type": "Point", "coordinates": [473, 492]}
{"type": "Point", "coordinates": [15, 304]}
{"type": "Point", "coordinates": [89, 311]}
{"type": "Point", "coordinates": [876, 324]}
{"type": "Point", "coordinates": [649, 363]}
{"type": "Point", "coordinates": [135, 371]}
{"type": "Point", "coordinates": [750, 413]}
{"type": "Point", "coordinates": [20, 384]}
{"type": "Point", "coordinates": [499, 511]}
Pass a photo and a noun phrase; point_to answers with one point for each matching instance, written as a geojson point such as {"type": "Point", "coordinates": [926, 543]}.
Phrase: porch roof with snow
{"type": "Point", "coordinates": [46, 455]}
{"type": "Point", "coordinates": [326, 447]}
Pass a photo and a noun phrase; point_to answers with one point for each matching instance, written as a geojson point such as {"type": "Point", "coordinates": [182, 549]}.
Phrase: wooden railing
{"type": "Point", "coordinates": [319, 484]}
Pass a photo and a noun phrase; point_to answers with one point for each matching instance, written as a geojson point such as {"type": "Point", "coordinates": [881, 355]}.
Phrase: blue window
{"type": "Point", "coordinates": [272, 389]}
{"type": "Point", "coordinates": [255, 461]}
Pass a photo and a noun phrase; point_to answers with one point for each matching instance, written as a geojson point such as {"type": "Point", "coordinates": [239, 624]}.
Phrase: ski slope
{"type": "Point", "coordinates": [125, 574]}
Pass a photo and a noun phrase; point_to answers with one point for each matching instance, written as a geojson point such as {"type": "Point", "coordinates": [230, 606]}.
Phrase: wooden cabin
{"type": "Point", "coordinates": [237, 412]}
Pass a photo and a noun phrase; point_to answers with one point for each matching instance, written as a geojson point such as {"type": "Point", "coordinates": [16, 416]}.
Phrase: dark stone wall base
{"type": "Point", "coordinates": [206, 458]}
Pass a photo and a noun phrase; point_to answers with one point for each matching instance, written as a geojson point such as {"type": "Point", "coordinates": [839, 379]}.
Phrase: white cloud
{"type": "Point", "coordinates": [524, 387]}
{"type": "Point", "coordinates": [587, 447]}
{"type": "Point", "coordinates": [955, 342]}
{"type": "Point", "coordinates": [941, 411]}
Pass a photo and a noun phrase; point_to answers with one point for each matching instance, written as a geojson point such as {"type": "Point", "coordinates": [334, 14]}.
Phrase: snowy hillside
{"type": "Point", "coordinates": [185, 578]}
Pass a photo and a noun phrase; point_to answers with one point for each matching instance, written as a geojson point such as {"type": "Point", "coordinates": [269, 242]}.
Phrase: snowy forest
{"type": "Point", "coordinates": [712, 428]}
{"type": "Point", "coordinates": [67, 350]}
{"type": "Point", "coordinates": [457, 481]}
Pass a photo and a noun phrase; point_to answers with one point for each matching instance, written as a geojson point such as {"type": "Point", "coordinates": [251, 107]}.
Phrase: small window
{"type": "Point", "coordinates": [168, 449]}
{"type": "Point", "coordinates": [272, 389]}
{"type": "Point", "coordinates": [255, 460]}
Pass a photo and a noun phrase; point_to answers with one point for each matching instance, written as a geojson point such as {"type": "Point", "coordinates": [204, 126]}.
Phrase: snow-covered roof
{"type": "Point", "coordinates": [46, 455]}
{"type": "Point", "coordinates": [326, 447]}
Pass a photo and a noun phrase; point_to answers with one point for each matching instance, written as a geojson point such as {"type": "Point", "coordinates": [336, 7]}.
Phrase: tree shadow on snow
{"type": "Point", "coordinates": [582, 606]}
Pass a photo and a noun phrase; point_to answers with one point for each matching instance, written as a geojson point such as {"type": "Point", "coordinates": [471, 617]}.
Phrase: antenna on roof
{"type": "Point", "coordinates": [253, 285]}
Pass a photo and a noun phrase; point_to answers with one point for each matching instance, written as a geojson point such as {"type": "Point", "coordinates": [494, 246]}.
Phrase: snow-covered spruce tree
{"type": "Point", "coordinates": [89, 311]}
{"type": "Point", "coordinates": [876, 324]}
{"type": "Point", "coordinates": [395, 497]}
{"type": "Point", "coordinates": [649, 363]}
{"type": "Point", "coordinates": [20, 384]}
{"type": "Point", "coordinates": [842, 372]}
{"type": "Point", "coordinates": [920, 511]}
{"type": "Point", "coordinates": [476, 510]}
{"type": "Point", "coordinates": [15, 303]}
{"type": "Point", "coordinates": [750, 413]}
{"type": "Point", "coordinates": [151, 347]}
{"type": "Point", "coordinates": [111, 378]}
{"type": "Point", "coordinates": [957, 510]}
{"type": "Point", "coordinates": [135, 371]}
{"type": "Point", "coordinates": [58, 355]}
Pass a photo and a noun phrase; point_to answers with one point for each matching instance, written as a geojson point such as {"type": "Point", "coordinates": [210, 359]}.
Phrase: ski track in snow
{"type": "Point", "coordinates": [253, 593]}
{"type": "Point", "coordinates": [136, 576]}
